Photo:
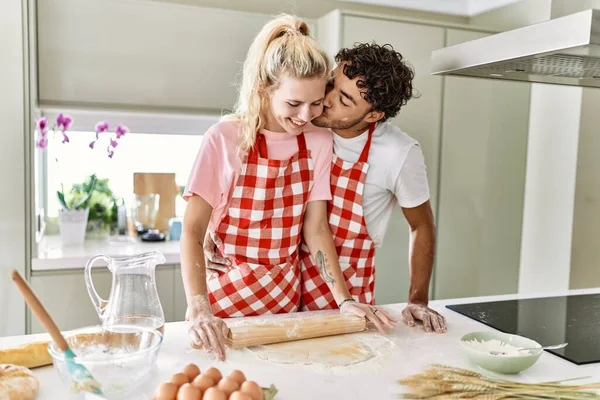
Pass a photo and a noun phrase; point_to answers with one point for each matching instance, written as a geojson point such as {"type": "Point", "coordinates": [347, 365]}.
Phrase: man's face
{"type": "Point", "coordinates": [344, 107]}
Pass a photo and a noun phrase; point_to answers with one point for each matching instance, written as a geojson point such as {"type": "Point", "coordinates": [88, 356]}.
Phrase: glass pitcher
{"type": "Point", "coordinates": [133, 298]}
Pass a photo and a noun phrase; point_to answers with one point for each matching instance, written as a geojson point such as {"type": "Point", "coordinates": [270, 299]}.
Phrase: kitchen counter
{"type": "Point", "coordinates": [376, 378]}
{"type": "Point", "coordinates": [52, 255]}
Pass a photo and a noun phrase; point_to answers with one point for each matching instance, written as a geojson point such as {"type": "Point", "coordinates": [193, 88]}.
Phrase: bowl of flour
{"type": "Point", "coordinates": [501, 352]}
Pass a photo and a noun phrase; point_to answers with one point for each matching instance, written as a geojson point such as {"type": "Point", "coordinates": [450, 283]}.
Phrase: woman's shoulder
{"type": "Point", "coordinates": [224, 133]}
{"type": "Point", "coordinates": [319, 137]}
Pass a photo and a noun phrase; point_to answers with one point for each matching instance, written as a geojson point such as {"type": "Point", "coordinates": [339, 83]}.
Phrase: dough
{"type": "Point", "coordinates": [17, 383]}
{"type": "Point", "coordinates": [330, 351]}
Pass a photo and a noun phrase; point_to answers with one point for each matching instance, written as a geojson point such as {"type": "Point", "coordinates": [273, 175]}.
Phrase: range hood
{"type": "Point", "coordinates": [564, 51]}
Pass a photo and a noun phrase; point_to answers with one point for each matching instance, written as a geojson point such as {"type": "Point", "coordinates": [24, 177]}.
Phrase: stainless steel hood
{"type": "Point", "coordinates": [564, 51]}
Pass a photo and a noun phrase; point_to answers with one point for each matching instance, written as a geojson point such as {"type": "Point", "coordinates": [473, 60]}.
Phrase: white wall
{"type": "Point", "coordinates": [12, 171]}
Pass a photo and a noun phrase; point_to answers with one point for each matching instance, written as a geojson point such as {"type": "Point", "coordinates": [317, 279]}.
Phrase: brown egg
{"type": "Point", "coordinates": [166, 391]}
{"type": "Point", "coordinates": [214, 374]}
{"type": "Point", "coordinates": [203, 382]}
{"type": "Point", "coordinates": [189, 392]}
{"type": "Point", "coordinates": [251, 388]}
{"type": "Point", "coordinates": [192, 371]}
{"type": "Point", "coordinates": [179, 379]}
{"type": "Point", "coordinates": [227, 386]}
{"type": "Point", "coordinates": [214, 394]}
{"type": "Point", "coordinates": [237, 376]}
{"type": "Point", "coordinates": [239, 396]}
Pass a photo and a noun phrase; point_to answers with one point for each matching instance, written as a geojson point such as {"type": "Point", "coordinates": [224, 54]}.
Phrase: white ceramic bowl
{"type": "Point", "coordinates": [504, 364]}
{"type": "Point", "coordinates": [120, 359]}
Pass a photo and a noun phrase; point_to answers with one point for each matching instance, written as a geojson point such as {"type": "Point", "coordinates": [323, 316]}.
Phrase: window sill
{"type": "Point", "coordinates": [53, 256]}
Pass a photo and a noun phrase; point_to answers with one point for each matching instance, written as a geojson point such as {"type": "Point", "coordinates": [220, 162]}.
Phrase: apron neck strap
{"type": "Point", "coordinates": [260, 145]}
{"type": "Point", "coordinates": [364, 156]}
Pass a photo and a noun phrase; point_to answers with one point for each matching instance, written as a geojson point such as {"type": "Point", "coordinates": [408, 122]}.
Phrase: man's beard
{"type": "Point", "coordinates": [323, 121]}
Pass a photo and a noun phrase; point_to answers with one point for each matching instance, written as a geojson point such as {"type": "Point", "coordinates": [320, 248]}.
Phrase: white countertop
{"type": "Point", "coordinates": [373, 379]}
{"type": "Point", "coordinates": [52, 255]}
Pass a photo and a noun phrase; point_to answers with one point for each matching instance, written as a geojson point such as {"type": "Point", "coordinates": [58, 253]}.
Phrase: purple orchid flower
{"type": "Point", "coordinates": [113, 143]}
{"type": "Point", "coordinates": [121, 131]}
{"type": "Point", "coordinates": [42, 143]}
{"type": "Point", "coordinates": [42, 124]}
{"type": "Point", "coordinates": [63, 122]}
{"type": "Point", "coordinates": [101, 126]}
{"type": "Point", "coordinates": [91, 145]}
{"type": "Point", "coordinates": [65, 138]}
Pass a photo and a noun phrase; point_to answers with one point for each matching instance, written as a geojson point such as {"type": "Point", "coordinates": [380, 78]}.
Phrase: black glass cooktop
{"type": "Point", "coordinates": [548, 321]}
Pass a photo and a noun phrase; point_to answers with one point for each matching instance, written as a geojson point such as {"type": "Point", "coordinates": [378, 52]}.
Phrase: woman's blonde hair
{"type": "Point", "coordinates": [283, 47]}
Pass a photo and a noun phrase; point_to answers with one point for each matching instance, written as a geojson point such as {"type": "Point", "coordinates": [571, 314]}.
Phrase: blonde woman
{"type": "Point", "coordinates": [260, 183]}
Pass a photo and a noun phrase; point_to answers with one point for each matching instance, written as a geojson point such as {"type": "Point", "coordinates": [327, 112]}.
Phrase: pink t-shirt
{"type": "Point", "coordinates": [218, 164]}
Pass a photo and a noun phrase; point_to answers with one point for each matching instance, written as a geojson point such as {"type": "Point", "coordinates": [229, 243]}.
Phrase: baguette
{"type": "Point", "coordinates": [30, 355]}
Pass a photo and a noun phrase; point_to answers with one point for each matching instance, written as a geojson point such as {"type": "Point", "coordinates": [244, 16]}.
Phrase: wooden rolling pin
{"type": "Point", "coordinates": [269, 329]}
{"type": "Point", "coordinates": [30, 355]}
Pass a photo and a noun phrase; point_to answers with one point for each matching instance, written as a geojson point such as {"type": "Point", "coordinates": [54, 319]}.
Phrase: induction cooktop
{"type": "Point", "coordinates": [550, 320]}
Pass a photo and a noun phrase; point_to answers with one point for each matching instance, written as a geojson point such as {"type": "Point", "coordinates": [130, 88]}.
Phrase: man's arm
{"type": "Point", "coordinates": [421, 251]}
{"type": "Point", "coordinates": [421, 257]}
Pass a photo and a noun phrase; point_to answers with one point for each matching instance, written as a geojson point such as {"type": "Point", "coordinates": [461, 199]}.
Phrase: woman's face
{"type": "Point", "coordinates": [294, 103]}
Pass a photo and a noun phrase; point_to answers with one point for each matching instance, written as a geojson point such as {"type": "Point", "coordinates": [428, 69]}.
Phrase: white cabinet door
{"type": "Point", "coordinates": [482, 179]}
{"type": "Point", "coordinates": [66, 298]}
{"type": "Point", "coordinates": [420, 118]}
{"type": "Point", "coordinates": [141, 53]}
{"type": "Point", "coordinates": [180, 303]}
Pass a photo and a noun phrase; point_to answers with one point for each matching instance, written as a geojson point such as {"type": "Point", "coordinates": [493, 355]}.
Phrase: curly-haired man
{"type": "Point", "coordinates": [375, 166]}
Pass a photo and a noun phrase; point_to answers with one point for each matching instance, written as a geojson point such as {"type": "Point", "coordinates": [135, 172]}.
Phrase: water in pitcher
{"type": "Point", "coordinates": [134, 302]}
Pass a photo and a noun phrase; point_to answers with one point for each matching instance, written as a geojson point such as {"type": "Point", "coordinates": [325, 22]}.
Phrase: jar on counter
{"type": "Point", "coordinates": [175, 228]}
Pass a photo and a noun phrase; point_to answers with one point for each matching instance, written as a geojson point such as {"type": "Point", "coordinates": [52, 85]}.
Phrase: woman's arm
{"type": "Point", "coordinates": [206, 331]}
{"type": "Point", "coordinates": [319, 240]}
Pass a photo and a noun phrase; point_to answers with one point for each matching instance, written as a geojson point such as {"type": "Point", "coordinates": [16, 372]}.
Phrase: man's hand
{"type": "Point", "coordinates": [432, 321]}
{"type": "Point", "coordinates": [214, 262]}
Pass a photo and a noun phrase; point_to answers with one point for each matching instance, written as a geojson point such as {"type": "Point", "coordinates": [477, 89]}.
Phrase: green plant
{"type": "Point", "coordinates": [80, 198]}
{"type": "Point", "coordinates": [101, 200]}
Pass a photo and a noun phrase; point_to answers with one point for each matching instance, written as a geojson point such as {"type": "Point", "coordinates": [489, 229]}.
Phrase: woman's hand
{"type": "Point", "coordinates": [206, 331]}
{"type": "Point", "coordinates": [377, 316]}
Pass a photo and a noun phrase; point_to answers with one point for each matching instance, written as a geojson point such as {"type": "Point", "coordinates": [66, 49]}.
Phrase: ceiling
{"type": "Point", "coordinates": [464, 8]}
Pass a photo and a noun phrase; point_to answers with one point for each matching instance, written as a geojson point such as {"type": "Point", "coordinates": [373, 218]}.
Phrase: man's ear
{"type": "Point", "coordinates": [374, 116]}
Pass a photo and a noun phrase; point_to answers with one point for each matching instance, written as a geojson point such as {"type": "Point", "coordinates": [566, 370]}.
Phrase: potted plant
{"type": "Point", "coordinates": [81, 203]}
{"type": "Point", "coordinates": [102, 206]}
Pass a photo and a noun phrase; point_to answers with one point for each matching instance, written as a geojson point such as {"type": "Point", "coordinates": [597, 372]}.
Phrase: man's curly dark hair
{"type": "Point", "coordinates": [385, 80]}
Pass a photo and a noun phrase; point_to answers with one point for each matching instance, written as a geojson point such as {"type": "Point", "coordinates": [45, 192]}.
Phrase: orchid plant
{"type": "Point", "coordinates": [60, 130]}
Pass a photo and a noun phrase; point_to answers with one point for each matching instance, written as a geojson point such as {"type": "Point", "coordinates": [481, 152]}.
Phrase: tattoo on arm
{"type": "Point", "coordinates": [323, 268]}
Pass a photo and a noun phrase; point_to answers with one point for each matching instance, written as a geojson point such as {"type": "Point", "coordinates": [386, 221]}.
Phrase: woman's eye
{"type": "Point", "coordinates": [293, 104]}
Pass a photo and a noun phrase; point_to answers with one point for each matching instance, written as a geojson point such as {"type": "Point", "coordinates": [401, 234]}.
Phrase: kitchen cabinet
{"type": "Point", "coordinates": [66, 298]}
{"type": "Point", "coordinates": [482, 182]}
{"type": "Point", "coordinates": [141, 54]}
{"type": "Point", "coordinates": [420, 118]}
{"type": "Point", "coordinates": [179, 301]}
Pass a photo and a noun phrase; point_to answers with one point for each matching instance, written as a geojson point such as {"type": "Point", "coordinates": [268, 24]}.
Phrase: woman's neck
{"type": "Point", "coordinates": [272, 125]}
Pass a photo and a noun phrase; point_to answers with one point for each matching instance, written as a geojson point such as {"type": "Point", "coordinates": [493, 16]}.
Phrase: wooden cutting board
{"type": "Point", "coordinates": [269, 329]}
{"type": "Point", "coordinates": [163, 184]}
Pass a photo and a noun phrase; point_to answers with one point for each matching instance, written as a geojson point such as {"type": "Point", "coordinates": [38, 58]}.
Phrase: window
{"type": "Point", "coordinates": [73, 162]}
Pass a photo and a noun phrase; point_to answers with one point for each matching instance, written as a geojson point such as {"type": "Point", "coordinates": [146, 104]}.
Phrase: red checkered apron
{"type": "Point", "coordinates": [354, 246]}
{"type": "Point", "coordinates": [260, 234]}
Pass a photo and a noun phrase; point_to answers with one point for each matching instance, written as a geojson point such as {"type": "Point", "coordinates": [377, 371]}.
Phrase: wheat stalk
{"type": "Point", "coordinates": [446, 382]}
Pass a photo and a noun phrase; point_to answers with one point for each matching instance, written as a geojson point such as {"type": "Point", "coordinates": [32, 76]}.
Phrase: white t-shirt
{"type": "Point", "coordinates": [397, 174]}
